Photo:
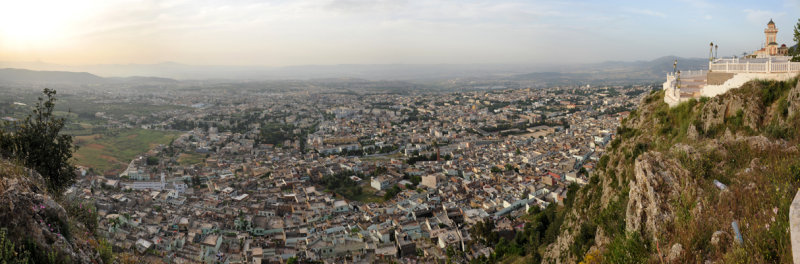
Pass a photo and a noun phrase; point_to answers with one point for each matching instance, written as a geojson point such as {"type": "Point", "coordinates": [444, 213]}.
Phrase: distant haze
{"type": "Point", "coordinates": [326, 32]}
{"type": "Point", "coordinates": [575, 73]}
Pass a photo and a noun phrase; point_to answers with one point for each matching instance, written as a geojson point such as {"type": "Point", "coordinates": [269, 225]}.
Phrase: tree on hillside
{"type": "Point", "coordinates": [796, 49]}
{"type": "Point", "coordinates": [37, 144]}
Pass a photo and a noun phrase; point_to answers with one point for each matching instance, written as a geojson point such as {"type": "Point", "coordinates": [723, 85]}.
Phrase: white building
{"type": "Point", "coordinates": [723, 74]}
{"type": "Point", "coordinates": [380, 183]}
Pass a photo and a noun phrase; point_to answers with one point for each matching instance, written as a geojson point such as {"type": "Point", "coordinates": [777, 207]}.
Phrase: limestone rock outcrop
{"type": "Point", "coordinates": [793, 100]}
{"type": "Point", "coordinates": [29, 213]}
{"type": "Point", "coordinates": [657, 181]}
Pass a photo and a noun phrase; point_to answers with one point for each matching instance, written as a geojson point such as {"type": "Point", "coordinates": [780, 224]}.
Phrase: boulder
{"type": "Point", "coordinates": [675, 253]}
{"type": "Point", "coordinates": [794, 224]}
{"type": "Point", "coordinates": [719, 238]}
{"type": "Point", "coordinates": [691, 133]}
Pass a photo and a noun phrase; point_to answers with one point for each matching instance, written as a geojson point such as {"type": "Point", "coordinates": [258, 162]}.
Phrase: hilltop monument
{"type": "Point", "coordinates": [771, 47]}
{"type": "Point", "coordinates": [768, 63]}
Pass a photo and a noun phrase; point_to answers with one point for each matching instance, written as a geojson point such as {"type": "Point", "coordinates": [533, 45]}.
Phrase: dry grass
{"type": "Point", "coordinates": [11, 169]}
{"type": "Point", "coordinates": [758, 198]}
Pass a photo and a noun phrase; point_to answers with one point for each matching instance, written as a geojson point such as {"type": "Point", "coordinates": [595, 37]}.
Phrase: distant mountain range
{"type": "Point", "coordinates": [617, 72]}
{"type": "Point", "coordinates": [29, 76]}
{"type": "Point", "coordinates": [24, 76]}
{"type": "Point", "coordinates": [38, 72]}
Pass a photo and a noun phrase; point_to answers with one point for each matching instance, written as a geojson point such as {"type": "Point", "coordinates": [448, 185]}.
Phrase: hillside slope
{"type": "Point", "coordinates": [35, 228]}
{"type": "Point", "coordinates": [653, 196]}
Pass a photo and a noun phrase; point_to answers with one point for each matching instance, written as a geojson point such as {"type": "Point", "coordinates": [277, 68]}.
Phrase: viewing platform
{"type": "Point", "coordinates": [725, 74]}
{"type": "Point", "coordinates": [778, 64]}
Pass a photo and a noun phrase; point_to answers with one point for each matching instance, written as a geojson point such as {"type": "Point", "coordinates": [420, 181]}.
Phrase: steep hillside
{"type": "Point", "coordinates": [654, 197]}
{"type": "Point", "coordinates": [35, 228]}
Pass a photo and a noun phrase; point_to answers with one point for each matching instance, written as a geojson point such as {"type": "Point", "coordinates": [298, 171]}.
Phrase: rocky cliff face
{"type": "Point", "coordinates": [39, 227]}
{"type": "Point", "coordinates": [675, 179]}
{"type": "Point", "coordinates": [657, 181]}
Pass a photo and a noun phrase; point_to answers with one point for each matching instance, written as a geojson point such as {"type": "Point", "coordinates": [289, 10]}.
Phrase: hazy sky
{"type": "Point", "coordinates": [299, 32]}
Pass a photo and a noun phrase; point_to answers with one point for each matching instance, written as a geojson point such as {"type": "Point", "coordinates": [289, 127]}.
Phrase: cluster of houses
{"type": "Point", "coordinates": [457, 159]}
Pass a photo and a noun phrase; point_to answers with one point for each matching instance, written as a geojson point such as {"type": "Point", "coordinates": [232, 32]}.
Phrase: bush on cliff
{"type": "Point", "coordinates": [37, 144]}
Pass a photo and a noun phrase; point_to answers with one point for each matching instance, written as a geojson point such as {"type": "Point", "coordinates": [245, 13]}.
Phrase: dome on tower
{"type": "Point", "coordinates": [770, 22]}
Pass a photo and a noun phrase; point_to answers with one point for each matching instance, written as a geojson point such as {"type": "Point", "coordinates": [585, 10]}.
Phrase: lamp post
{"type": "Point", "coordinates": [711, 51]}
{"type": "Point", "coordinates": [675, 66]}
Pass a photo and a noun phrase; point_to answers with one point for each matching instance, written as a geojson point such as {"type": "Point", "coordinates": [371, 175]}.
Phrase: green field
{"type": "Point", "coordinates": [368, 195]}
{"type": "Point", "coordinates": [111, 152]}
{"type": "Point", "coordinates": [190, 159]}
{"type": "Point", "coordinates": [382, 158]}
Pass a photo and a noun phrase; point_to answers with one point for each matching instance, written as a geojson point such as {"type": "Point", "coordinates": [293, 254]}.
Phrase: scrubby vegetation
{"type": "Point", "coordinates": [628, 248]}
{"type": "Point", "coordinates": [84, 212]}
{"type": "Point", "coordinates": [35, 228]}
{"type": "Point", "coordinates": [745, 139]}
{"type": "Point", "coordinates": [759, 174]}
{"type": "Point", "coordinates": [37, 143]}
{"type": "Point", "coordinates": [340, 183]}
{"type": "Point", "coordinates": [541, 228]}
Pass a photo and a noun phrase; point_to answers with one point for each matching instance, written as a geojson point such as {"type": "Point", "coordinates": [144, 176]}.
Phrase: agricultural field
{"type": "Point", "coordinates": [111, 152]}
{"type": "Point", "coordinates": [185, 159]}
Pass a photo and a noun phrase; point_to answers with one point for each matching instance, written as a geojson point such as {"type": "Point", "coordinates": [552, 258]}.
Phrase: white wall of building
{"type": "Point", "coordinates": [741, 78]}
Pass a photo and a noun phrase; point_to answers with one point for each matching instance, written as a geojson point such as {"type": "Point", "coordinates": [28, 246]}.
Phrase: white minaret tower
{"type": "Point", "coordinates": [163, 182]}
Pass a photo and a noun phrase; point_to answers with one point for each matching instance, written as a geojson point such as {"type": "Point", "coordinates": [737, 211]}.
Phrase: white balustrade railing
{"type": "Point", "coordinates": [688, 74]}
{"type": "Point", "coordinates": [727, 66]}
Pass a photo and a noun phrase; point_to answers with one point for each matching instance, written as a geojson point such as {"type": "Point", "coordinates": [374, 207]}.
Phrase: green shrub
{"type": "Point", "coordinates": [613, 176]}
{"type": "Point", "coordinates": [640, 149]}
{"type": "Point", "coordinates": [674, 122]}
{"type": "Point", "coordinates": [794, 172]}
{"type": "Point", "coordinates": [700, 167]}
{"type": "Point", "coordinates": [630, 248]}
{"type": "Point", "coordinates": [10, 253]}
{"type": "Point", "coordinates": [615, 143]}
{"type": "Point", "coordinates": [773, 130]}
{"type": "Point", "coordinates": [625, 132]}
{"type": "Point", "coordinates": [603, 162]}
{"type": "Point", "coordinates": [773, 90]}
{"type": "Point", "coordinates": [36, 142]}
{"type": "Point", "coordinates": [612, 218]}
{"type": "Point", "coordinates": [735, 122]}
{"type": "Point", "coordinates": [783, 107]}
{"type": "Point", "coordinates": [584, 239]}
{"type": "Point", "coordinates": [83, 212]}
{"type": "Point", "coordinates": [105, 250]}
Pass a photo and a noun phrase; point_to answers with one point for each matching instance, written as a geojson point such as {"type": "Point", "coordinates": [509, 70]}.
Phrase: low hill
{"type": "Point", "coordinates": [23, 76]}
{"type": "Point", "coordinates": [9, 75]}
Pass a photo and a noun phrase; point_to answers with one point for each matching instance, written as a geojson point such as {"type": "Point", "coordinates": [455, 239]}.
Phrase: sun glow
{"type": "Point", "coordinates": [33, 23]}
